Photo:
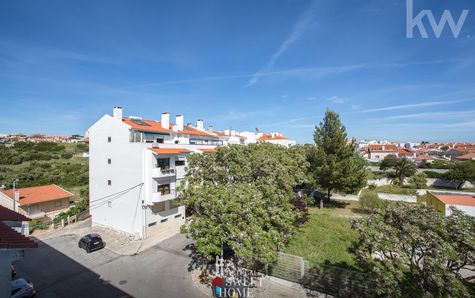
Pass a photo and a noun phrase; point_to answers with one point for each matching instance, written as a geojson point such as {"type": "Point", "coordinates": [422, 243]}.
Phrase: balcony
{"type": "Point", "coordinates": [163, 172]}
{"type": "Point", "coordinates": [158, 197]}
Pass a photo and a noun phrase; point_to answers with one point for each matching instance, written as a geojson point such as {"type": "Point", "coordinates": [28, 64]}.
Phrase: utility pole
{"type": "Point", "coordinates": [14, 194]}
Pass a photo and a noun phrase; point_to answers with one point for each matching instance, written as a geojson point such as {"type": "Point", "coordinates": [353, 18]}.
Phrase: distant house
{"type": "Point", "coordinates": [468, 156]}
{"type": "Point", "coordinates": [377, 152]}
{"type": "Point", "coordinates": [454, 153]}
{"type": "Point", "coordinates": [406, 153]}
{"type": "Point", "coordinates": [443, 201]}
{"type": "Point", "coordinates": [37, 202]}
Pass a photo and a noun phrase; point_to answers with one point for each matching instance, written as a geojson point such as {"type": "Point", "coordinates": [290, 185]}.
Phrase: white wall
{"type": "Point", "coordinates": [469, 210]}
{"type": "Point", "coordinates": [125, 212]}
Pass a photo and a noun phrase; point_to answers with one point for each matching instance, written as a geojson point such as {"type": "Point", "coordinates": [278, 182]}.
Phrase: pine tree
{"type": "Point", "coordinates": [337, 165]}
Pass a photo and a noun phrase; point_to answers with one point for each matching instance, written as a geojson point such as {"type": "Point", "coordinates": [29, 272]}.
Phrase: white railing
{"type": "Point", "coordinates": [163, 172]}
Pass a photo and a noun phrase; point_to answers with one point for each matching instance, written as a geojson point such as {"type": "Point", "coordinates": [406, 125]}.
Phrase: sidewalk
{"type": "Point", "coordinates": [117, 242]}
{"type": "Point", "coordinates": [269, 287]}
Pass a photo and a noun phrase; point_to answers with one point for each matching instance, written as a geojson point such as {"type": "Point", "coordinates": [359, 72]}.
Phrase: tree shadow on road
{"type": "Point", "coordinates": [54, 274]}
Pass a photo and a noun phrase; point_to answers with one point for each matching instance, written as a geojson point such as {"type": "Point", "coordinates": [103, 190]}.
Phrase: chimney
{"type": "Point", "coordinates": [383, 147]}
{"type": "Point", "coordinates": [165, 122]}
{"type": "Point", "coordinates": [179, 122]}
{"type": "Point", "coordinates": [226, 132]}
{"type": "Point", "coordinates": [233, 132]}
{"type": "Point", "coordinates": [117, 113]}
{"type": "Point", "coordinates": [210, 128]}
{"type": "Point", "coordinates": [199, 124]}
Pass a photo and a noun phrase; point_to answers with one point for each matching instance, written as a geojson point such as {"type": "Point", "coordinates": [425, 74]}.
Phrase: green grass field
{"type": "Point", "coordinates": [324, 238]}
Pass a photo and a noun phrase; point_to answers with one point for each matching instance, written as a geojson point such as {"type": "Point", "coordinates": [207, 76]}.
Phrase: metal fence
{"type": "Point", "coordinates": [330, 279]}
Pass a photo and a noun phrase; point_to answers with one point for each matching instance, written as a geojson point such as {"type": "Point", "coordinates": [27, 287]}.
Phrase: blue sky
{"type": "Point", "coordinates": [274, 65]}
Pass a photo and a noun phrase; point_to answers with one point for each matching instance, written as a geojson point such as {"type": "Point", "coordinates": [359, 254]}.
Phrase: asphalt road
{"type": "Point", "coordinates": [58, 268]}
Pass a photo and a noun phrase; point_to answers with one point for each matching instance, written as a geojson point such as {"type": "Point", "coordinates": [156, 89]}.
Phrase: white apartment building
{"type": "Point", "coordinates": [136, 165]}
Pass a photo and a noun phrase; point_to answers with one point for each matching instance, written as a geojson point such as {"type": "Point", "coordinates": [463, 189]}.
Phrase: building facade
{"type": "Point", "coordinates": [137, 165]}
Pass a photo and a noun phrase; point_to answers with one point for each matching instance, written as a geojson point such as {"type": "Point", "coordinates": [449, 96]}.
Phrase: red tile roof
{"type": "Point", "coordinates": [10, 215]}
{"type": "Point", "coordinates": [378, 147]}
{"type": "Point", "coordinates": [154, 126]}
{"type": "Point", "coordinates": [189, 130]}
{"type": "Point", "coordinates": [466, 156]}
{"type": "Point", "coordinates": [404, 151]}
{"type": "Point", "coordinates": [208, 149]}
{"type": "Point", "coordinates": [10, 238]}
{"type": "Point", "coordinates": [269, 137]}
{"type": "Point", "coordinates": [170, 150]}
{"type": "Point", "coordinates": [148, 126]}
{"type": "Point", "coordinates": [464, 200]}
{"type": "Point", "coordinates": [39, 194]}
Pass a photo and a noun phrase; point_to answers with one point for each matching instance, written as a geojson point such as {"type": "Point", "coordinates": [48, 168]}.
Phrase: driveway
{"type": "Point", "coordinates": [58, 268]}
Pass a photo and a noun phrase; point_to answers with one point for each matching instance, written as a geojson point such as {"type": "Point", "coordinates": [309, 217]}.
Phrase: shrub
{"type": "Point", "coordinates": [66, 155]}
{"type": "Point", "coordinates": [435, 175]}
{"type": "Point", "coordinates": [418, 180]}
{"type": "Point", "coordinates": [370, 200]}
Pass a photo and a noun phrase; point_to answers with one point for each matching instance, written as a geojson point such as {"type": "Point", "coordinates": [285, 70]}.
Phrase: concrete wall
{"type": "Point", "coordinates": [469, 210]}
{"type": "Point", "coordinates": [395, 197]}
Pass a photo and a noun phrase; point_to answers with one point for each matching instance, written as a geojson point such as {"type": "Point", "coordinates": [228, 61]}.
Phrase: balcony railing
{"type": "Point", "coordinates": [158, 197]}
{"type": "Point", "coordinates": [163, 172]}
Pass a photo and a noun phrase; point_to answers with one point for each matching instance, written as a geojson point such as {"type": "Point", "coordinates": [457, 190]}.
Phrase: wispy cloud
{"type": "Point", "coordinates": [336, 99]}
{"type": "Point", "coordinates": [297, 31]}
{"type": "Point", "coordinates": [303, 72]}
{"type": "Point", "coordinates": [431, 115]}
{"type": "Point", "coordinates": [415, 105]}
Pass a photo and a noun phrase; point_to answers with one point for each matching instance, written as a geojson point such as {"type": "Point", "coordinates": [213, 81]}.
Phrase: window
{"type": "Point", "coordinates": [109, 204]}
{"type": "Point", "coordinates": [179, 162]}
{"type": "Point", "coordinates": [177, 142]}
{"type": "Point", "coordinates": [109, 182]}
{"type": "Point", "coordinates": [152, 224]}
{"type": "Point", "coordinates": [163, 163]}
{"type": "Point", "coordinates": [164, 220]}
{"type": "Point", "coordinates": [158, 207]}
{"type": "Point", "coordinates": [58, 203]}
{"type": "Point", "coordinates": [174, 203]}
{"type": "Point", "coordinates": [109, 139]}
{"type": "Point", "coordinates": [109, 161]}
{"type": "Point", "coordinates": [160, 141]}
{"type": "Point", "coordinates": [164, 189]}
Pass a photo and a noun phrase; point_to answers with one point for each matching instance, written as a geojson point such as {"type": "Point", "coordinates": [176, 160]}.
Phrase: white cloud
{"type": "Point", "coordinates": [297, 31]}
{"type": "Point", "coordinates": [432, 114]}
{"type": "Point", "coordinates": [336, 99]}
{"type": "Point", "coordinates": [415, 105]}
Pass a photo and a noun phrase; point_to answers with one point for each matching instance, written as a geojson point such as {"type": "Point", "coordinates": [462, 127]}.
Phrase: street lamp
{"type": "Point", "coordinates": [14, 194]}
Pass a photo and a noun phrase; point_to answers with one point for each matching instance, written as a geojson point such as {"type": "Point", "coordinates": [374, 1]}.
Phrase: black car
{"type": "Point", "coordinates": [91, 242]}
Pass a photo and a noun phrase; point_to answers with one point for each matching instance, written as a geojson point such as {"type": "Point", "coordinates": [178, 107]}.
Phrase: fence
{"type": "Point", "coordinates": [57, 223]}
{"type": "Point", "coordinates": [330, 279]}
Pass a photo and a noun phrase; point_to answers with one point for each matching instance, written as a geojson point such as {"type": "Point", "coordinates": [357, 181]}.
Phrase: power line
{"type": "Point", "coordinates": [112, 197]}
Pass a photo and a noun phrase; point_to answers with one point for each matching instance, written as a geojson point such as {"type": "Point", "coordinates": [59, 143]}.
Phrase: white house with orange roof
{"type": "Point", "coordinates": [442, 202]}
{"type": "Point", "coordinates": [136, 165]}
{"type": "Point", "coordinates": [37, 202]}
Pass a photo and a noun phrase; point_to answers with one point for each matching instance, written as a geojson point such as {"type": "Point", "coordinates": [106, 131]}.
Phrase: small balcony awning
{"type": "Point", "coordinates": [169, 150]}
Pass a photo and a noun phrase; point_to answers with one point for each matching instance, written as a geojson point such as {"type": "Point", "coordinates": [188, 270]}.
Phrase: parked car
{"type": "Point", "coordinates": [22, 288]}
{"type": "Point", "coordinates": [91, 242]}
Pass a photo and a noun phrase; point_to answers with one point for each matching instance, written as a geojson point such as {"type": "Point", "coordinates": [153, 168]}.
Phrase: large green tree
{"type": "Point", "coordinates": [337, 166]}
{"type": "Point", "coordinates": [242, 196]}
{"type": "Point", "coordinates": [411, 250]}
{"type": "Point", "coordinates": [461, 172]}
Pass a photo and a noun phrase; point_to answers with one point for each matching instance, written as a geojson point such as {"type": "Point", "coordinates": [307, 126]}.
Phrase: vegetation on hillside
{"type": "Point", "coordinates": [43, 163]}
